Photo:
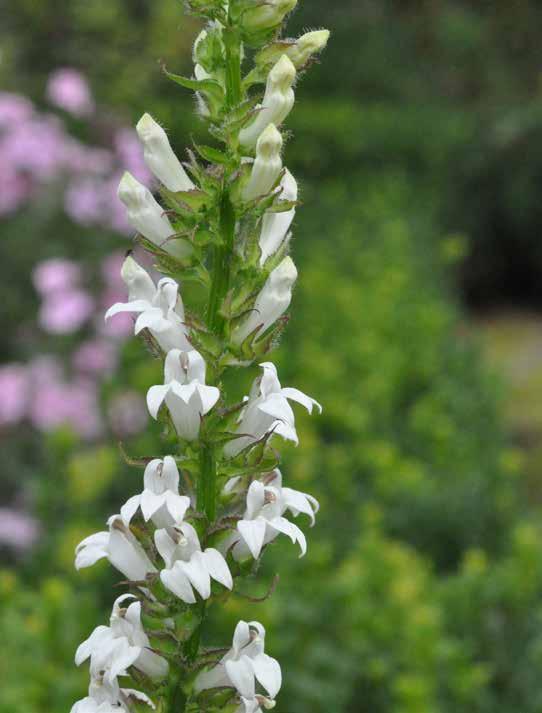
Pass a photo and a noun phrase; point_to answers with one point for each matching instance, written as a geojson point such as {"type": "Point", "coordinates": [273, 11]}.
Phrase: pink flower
{"type": "Point", "coordinates": [14, 109]}
{"type": "Point", "coordinates": [64, 312]}
{"type": "Point", "coordinates": [127, 414]}
{"type": "Point", "coordinates": [68, 89]}
{"type": "Point", "coordinates": [111, 267]}
{"type": "Point", "coordinates": [54, 275]}
{"type": "Point", "coordinates": [56, 403]}
{"type": "Point", "coordinates": [17, 529]}
{"type": "Point", "coordinates": [38, 146]}
{"type": "Point", "coordinates": [84, 201]}
{"type": "Point", "coordinates": [95, 356]}
{"type": "Point", "coordinates": [14, 383]}
{"type": "Point", "coordinates": [15, 188]}
{"type": "Point", "coordinates": [130, 153]}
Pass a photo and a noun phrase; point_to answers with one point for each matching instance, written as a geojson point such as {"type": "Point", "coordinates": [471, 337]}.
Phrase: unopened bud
{"type": "Point", "coordinates": [267, 166]}
{"type": "Point", "coordinates": [147, 216]}
{"type": "Point", "coordinates": [267, 15]}
{"type": "Point", "coordinates": [137, 280]}
{"type": "Point", "coordinates": [298, 51]}
{"type": "Point", "coordinates": [277, 103]}
{"type": "Point", "coordinates": [275, 226]}
{"type": "Point", "coordinates": [272, 302]}
{"type": "Point", "coordinates": [159, 155]}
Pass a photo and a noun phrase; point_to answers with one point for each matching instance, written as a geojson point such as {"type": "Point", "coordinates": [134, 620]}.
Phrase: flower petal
{"type": "Point", "coordinates": [217, 567]}
{"type": "Point", "coordinates": [301, 398]}
{"type": "Point", "coordinates": [253, 533]}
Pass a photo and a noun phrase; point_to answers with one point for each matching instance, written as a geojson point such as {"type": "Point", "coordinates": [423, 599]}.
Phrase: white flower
{"type": "Point", "coordinates": [267, 409]}
{"type": "Point", "coordinates": [147, 216]}
{"type": "Point", "coordinates": [119, 546]}
{"type": "Point", "coordinates": [308, 44]}
{"type": "Point", "coordinates": [106, 696]}
{"type": "Point", "coordinates": [186, 396]}
{"type": "Point", "coordinates": [113, 649]}
{"type": "Point", "coordinates": [264, 520]}
{"type": "Point", "coordinates": [275, 226]}
{"type": "Point", "coordinates": [268, 14]}
{"type": "Point", "coordinates": [273, 300]}
{"type": "Point", "coordinates": [160, 307]}
{"type": "Point", "coordinates": [160, 500]}
{"type": "Point", "coordinates": [187, 567]}
{"type": "Point", "coordinates": [267, 165]}
{"type": "Point", "coordinates": [243, 666]}
{"type": "Point", "coordinates": [159, 155]}
{"type": "Point", "coordinates": [277, 102]}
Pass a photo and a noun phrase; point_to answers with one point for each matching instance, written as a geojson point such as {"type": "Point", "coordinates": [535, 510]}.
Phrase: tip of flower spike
{"type": "Point", "coordinates": [130, 191]}
{"type": "Point", "coordinates": [283, 73]}
{"type": "Point", "coordinates": [270, 142]}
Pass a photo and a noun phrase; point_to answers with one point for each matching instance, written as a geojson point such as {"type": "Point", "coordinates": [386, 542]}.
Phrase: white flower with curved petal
{"type": "Point", "coordinates": [188, 568]}
{"type": "Point", "coordinates": [244, 666]}
{"type": "Point", "coordinates": [277, 102]}
{"type": "Point", "coordinates": [106, 696]}
{"type": "Point", "coordinates": [273, 300]}
{"type": "Point", "coordinates": [184, 392]}
{"type": "Point", "coordinates": [160, 500]}
{"type": "Point", "coordinates": [119, 546]}
{"type": "Point", "coordinates": [147, 216]}
{"type": "Point", "coordinates": [275, 226]}
{"type": "Point", "coordinates": [267, 410]}
{"type": "Point", "coordinates": [264, 520]}
{"type": "Point", "coordinates": [113, 649]}
{"type": "Point", "coordinates": [160, 307]}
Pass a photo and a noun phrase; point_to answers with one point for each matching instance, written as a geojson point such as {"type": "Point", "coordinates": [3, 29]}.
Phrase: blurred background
{"type": "Point", "coordinates": [417, 323]}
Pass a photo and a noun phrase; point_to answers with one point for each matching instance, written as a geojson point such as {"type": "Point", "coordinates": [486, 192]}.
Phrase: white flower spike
{"type": "Point", "coordinates": [187, 566]}
{"type": "Point", "coordinates": [159, 155]}
{"type": "Point", "coordinates": [267, 410]}
{"type": "Point", "coordinates": [277, 102]}
{"type": "Point", "coordinates": [271, 303]}
{"type": "Point", "coordinates": [244, 666]}
{"type": "Point", "coordinates": [113, 649]}
{"type": "Point", "coordinates": [275, 226]}
{"type": "Point", "coordinates": [160, 500]}
{"type": "Point", "coordinates": [184, 392]}
{"type": "Point", "coordinates": [264, 520]}
{"type": "Point", "coordinates": [147, 216]}
{"type": "Point", "coordinates": [160, 307]}
{"type": "Point", "coordinates": [267, 166]}
{"type": "Point", "coordinates": [119, 546]}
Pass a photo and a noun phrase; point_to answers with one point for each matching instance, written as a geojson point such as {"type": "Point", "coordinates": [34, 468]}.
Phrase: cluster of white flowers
{"type": "Point", "coordinates": [182, 542]}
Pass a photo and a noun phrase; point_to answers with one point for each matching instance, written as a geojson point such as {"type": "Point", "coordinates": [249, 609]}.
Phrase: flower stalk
{"type": "Point", "coordinates": [209, 511]}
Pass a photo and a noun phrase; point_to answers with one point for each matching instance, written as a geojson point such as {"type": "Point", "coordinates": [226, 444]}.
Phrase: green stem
{"type": "Point", "coordinates": [206, 494]}
{"type": "Point", "coordinates": [222, 256]}
{"type": "Point", "coordinates": [232, 43]}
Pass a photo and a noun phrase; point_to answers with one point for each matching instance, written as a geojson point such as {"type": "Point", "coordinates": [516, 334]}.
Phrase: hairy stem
{"type": "Point", "coordinates": [222, 256]}
{"type": "Point", "coordinates": [206, 495]}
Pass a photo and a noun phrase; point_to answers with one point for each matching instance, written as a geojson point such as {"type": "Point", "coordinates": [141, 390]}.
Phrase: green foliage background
{"type": "Point", "coordinates": [421, 589]}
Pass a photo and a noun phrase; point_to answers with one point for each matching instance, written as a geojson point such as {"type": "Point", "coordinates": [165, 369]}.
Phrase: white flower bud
{"type": "Point", "coordinates": [267, 166]}
{"type": "Point", "coordinates": [275, 226]}
{"type": "Point", "coordinates": [277, 103]}
{"type": "Point", "coordinates": [147, 215]}
{"type": "Point", "coordinates": [272, 302]}
{"type": "Point", "coordinates": [308, 44]}
{"type": "Point", "coordinates": [268, 15]}
{"type": "Point", "coordinates": [159, 155]}
{"type": "Point", "coordinates": [137, 280]}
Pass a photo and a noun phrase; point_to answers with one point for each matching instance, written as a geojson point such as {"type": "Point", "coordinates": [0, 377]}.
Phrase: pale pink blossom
{"type": "Point", "coordinates": [65, 312]}
{"type": "Point", "coordinates": [68, 89]}
{"type": "Point", "coordinates": [14, 385]}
